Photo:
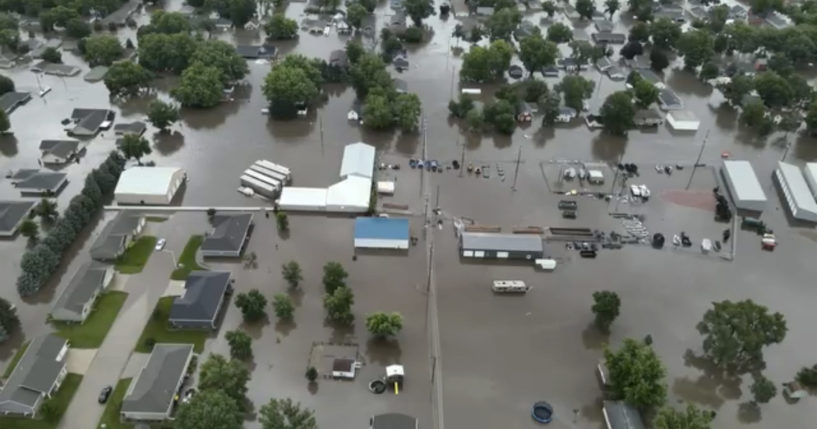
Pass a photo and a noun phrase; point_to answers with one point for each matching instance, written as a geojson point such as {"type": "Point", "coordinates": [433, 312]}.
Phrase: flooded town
{"type": "Point", "coordinates": [407, 214]}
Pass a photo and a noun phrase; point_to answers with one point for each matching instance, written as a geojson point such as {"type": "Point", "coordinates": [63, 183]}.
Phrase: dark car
{"type": "Point", "coordinates": [567, 205]}
{"type": "Point", "coordinates": [105, 394]}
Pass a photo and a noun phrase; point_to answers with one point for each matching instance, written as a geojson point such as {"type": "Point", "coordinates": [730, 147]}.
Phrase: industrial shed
{"type": "Point", "coordinates": [810, 171]}
{"type": "Point", "coordinates": [302, 199]}
{"type": "Point", "coordinates": [381, 233]}
{"type": "Point", "coordinates": [351, 195]}
{"type": "Point", "coordinates": [501, 246]}
{"type": "Point", "coordinates": [149, 185]}
{"type": "Point", "coordinates": [740, 178]}
{"type": "Point", "coordinates": [796, 193]}
{"type": "Point", "coordinates": [358, 160]}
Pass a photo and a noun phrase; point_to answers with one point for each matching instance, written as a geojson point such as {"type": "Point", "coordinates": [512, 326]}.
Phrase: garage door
{"type": "Point", "coordinates": [479, 254]}
{"type": "Point", "coordinates": [468, 253]}
{"type": "Point", "coordinates": [502, 255]}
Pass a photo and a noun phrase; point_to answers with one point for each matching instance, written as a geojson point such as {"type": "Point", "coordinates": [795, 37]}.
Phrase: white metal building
{"type": "Point", "coordinates": [358, 160]}
{"type": "Point", "coordinates": [683, 120]}
{"type": "Point", "coordinates": [740, 178]}
{"type": "Point", "coordinates": [350, 195]}
{"type": "Point", "coordinates": [149, 185]}
{"type": "Point", "coordinates": [810, 171]}
{"type": "Point", "coordinates": [302, 199]}
{"type": "Point", "coordinates": [797, 195]}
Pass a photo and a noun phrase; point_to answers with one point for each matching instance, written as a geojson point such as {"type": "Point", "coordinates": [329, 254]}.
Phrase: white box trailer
{"type": "Point", "coordinates": [269, 173]}
{"type": "Point", "coordinates": [509, 286]}
{"type": "Point", "coordinates": [259, 187]}
{"type": "Point", "coordinates": [275, 167]}
{"type": "Point", "coordinates": [262, 178]}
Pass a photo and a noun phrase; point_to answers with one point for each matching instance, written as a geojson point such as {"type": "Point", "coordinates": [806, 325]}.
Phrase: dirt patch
{"type": "Point", "coordinates": [695, 199]}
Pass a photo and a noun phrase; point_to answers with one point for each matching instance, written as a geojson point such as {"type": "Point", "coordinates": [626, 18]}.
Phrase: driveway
{"type": "Point", "coordinates": [78, 360]}
{"type": "Point", "coordinates": [144, 290]}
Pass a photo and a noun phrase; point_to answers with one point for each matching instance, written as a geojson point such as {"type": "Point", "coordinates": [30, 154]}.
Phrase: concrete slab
{"type": "Point", "coordinates": [135, 364]}
{"type": "Point", "coordinates": [78, 360]}
{"type": "Point", "coordinates": [174, 288]}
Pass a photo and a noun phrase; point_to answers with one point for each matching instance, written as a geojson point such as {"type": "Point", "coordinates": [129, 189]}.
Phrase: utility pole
{"type": "Point", "coordinates": [320, 119]}
{"type": "Point", "coordinates": [516, 171]}
{"type": "Point", "coordinates": [462, 156]}
{"type": "Point", "coordinates": [698, 160]}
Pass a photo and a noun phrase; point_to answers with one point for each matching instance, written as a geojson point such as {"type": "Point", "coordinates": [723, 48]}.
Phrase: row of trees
{"type": "Point", "coordinates": [40, 262]}
{"type": "Point", "coordinates": [8, 320]}
{"type": "Point", "coordinates": [47, 211]}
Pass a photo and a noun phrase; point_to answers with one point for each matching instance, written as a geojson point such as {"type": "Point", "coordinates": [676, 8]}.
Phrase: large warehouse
{"type": "Point", "coordinates": [149, 185]}
{"type": "Point", "coordinates": [381, 233]}
{"type": "Point", "coordinates": [358, 160]}
{"type": "Point", "coordinates": [810, 171]}
{"type": "Point", "coordinates": [501, 246]}
{"type": "Point", "coordinates": [747, 194]}
{"type": "Point", "coordinates": [796, 193]}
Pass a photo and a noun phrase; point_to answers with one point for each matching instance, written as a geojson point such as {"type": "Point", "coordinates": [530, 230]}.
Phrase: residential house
{"type": "Point", "coordinates": [59, 151]}
{"type": "Point", "coordinates": [88, 122]}
{"type": "Point", "coordinates": [203, 299]}
{"type": "Point", "coordinates": [397, 22]}
{"type": "Point", "coordinates": [615, 73]}
{"type": "Point", "coordinates": [669, 100]}
{"type": "Point", "coordinates": [120, 16]}
{"type": "Point", "coordinates": [550, 71]}
{"type": "Point", "coordinates": [338, 58]}
{"type": "Point", "coordinates": [603, 64]}
{"type": "Point", "coordinates": [96, 74]}
{"type": "Point", "coordinates": [609, 38]}
{"type": "Point", "coordinates": [525, 29]}
{"type": "Point", "coordinates": [699, 13]}
{"type": "Point", "coordinates": [37, 376]}
{"type": "Point", "coordinates": [11, 100]}
{"type": "Point", "coordinates": [116, 236]}
{"type": "Point", "coordinates": [673, 12]}
{"type": "Point", "coordinates": [8, 59]}
{"type": "Point", "coordinates": [778, 20]}
{"type": "Point", "coordinates": [61, 70]}
{"type": "Point", "coordinates": [647, 118]}
{"type": "Point", "coordinates": [566, 114]}
{"type": "Point", "coordinates": [252, 25]}
{"type": "Point", "coordinates": [152, 394]}
{"type": "Point", "coordinates": [130, 128]}
{"type": "Point", "coordinates": [570, 64]}
{"type": "Point", "coordinates": [619, 415]}
{"type": "Point", "coordinates": [223, 24]}
{"type": "Point", "coordinates": [37, 48]}
{"type": "Point", "coordinates": [570, 11]}
{"type": "Point", "coordinates": [254, 52]}
{"type": "Point", "coordinates": [485, 10]}
{"type": "Point", "coordinates": [77, 300]}
{"type": "Point", "coordinates": [229, 236]}
{"type": "Point", "coordinates": [12, 215]}
{"type": "Point", "coordinates": [604, 25]}
{"type": "Point", "coordinates": [650, 76]}
{"type": "Point", "coordinates": [400, 86]}
{"type": "Point", "coordinates": [737, 12]}
{"type": "Point", "coordinates": [37, 183]}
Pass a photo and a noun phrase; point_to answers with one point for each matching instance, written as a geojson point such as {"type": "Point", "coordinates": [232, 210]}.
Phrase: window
{"type": "Point", "coordinates": [502, 255]}
{"type": "Point", "coordinates": [468, 253]}
{"type": "Point", "coordinates": [479, 254]}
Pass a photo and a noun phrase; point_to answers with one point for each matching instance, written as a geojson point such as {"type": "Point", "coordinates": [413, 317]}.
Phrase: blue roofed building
{"type": "Point", "coordinates": [381, 233]}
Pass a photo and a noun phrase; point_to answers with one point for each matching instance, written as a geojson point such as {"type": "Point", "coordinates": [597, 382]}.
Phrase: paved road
{"type": "Point", "coordinates": [144, 290]}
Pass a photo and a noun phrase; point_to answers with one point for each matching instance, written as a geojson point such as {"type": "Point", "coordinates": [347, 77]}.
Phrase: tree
{"type": "Point", "coordinates": [501, 114]}
{"type": "Point", "coordinates": [223, 56]}
{"type": "Point", "coordinates": [252, 305]}
{"type": "Point", "coordinates": [736, 332]}
{"type": "Point", "coordinates": [737, 89]}
{"type": "Point", "coordinates": [773, 89]}
{"type": "Point", "coordinates": [36, 267]}
{"type": "Point", "coordinates": [334, 276]}
{"type": "Point", "coordinates": [559, 33]}
{"type": "Point", "coordinates": [241, 11]}
{"type": "Point", "coordinates": [165, 22]}
{"type": "Point", "coordinates": [166, 52]}
{"type": "Point", "coordinates": [50, 411]}
{"type": "Point", "coordinates": [282, 220]}
{"type": "Point", "coordinates": [230, 377]}
{"type": "Point", "coordinates": [8, 319]}
{"type": "Point", "coordinates": [605, 307]}
{"type": "Point", "coordinates": [384, 324]}
{"type": "Point", "coordinates": [754, 116]}
{"type": "Point", "coordinates": [575, 89]}
{"type": "Point", "coordinates": [585, 8]}
{"type": "Point", "coordinates": [370, 5]}
{"type": "Point", "coordinates": [549, 8]}
{"type": "Point", "coordinates": [658, 60]}
{"type": "Point", "coordinates": [645, 93]}
{"type": "Point", "coordinates": [355, 14]}
{"type": "Point", "coordinates": [279, 27]}
{"type": "Point", "coordinates": [536, 52]}
{"type": "Point", "coordinates": [283, 307]}
{"type": "Point", "coordinates": [311, 374]}
{"type": "Point", "coordinates": [806, 376]}
{"type": "Point", "coordinates": [126, 78]}
{"type": "Point", "coordinates": [210, 409]}
{"type": "Point", "coordinates": [762, 7]}
{"type": "Point", "coordinates": [763, 390]}
{"type": "Point", "coordinates": [631, 49]}
{"type": "Point", "coordinates": [418, 10]}
{"type": "Point", "coordinates": [291, 272]}
{"type": "Point", "coordinates": [665, 33]}
{"type": "Point", "coordinates": [583, 52]}
{"type": "Point", "coordinates": [338, 305]}
{"type": "Point", "coordinates": [369, 72]}
{"type": "Point", "coordinates": [611, 6]}
{"type": "Point", "coordinates": [475, 119]}
{"type": "Point", "coordinates": [102, 50]}
{"type": "Point", "coordinates": [200, 87]}
{"type": "Point", "coordinates": [461, 108]}
{"type": "Point", "coordinates": [697, 48]}
{"type": "Point", "coordinates": [47, 210]}
{"type": "Point", "coordinates": [640, 32]}
{"type": "Point", "coordinates": [717, 17]}
{"type": "Point", "coordinates": [549, 107]}
{"type": "Point", "coordinates": [286, 414]}
{"type": "Point", "coordinates": [162, 115]}
{"type": "Point", "coordinates": [287, 86]}
{"type": "Point", "coordinates": [407, 109]}
{"type": "Point", "coordinates": [617, 113]}
{"type": "Point", "coordinates": [30, 230]}
{"type": "Point", "coordinates": [240, 344]}
{"type": "Point", "coordinates": [811, 118]}
{"type": "Point", "coordinates": [52, 55]}
{"type": "Point", "coordinates": [636, 375]}
{"type": "Point", "coordinates": [133, 146]}
{"type": "Point", "coordinates": [59, 15]}
{"type": "Point", "coordinates": [690, 418]}
{"type": "Point", "coordinates": [377, 110]}
{"type": "Point", "coordinates": [354, 50]}
{"type": "Point", "coordinates": [5, 125]}
{"type": "Point", "coordinates": [6, 84]}
{"type": "Point", "coordinates": [709, 71]}
{"type": "Point", "coordinates": [502, 23]}
{"type": "Point", "coordinates": [77, 28]}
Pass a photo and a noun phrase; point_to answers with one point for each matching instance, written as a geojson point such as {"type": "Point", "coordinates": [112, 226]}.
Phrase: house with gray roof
{"type": "Point", "coordinates": [338, 58]}
{"type": "Point", "coordinates": [59, 151]}
{"type": "Point", "coordinates": [204, 294]}
{"type": "Point", "coordinates": [77, 300]}
{"type": "Point", "coordinates": [130, 128]}
{"type": "Point", "coordinates": [96, 74]}
{"type": "Point", "coordinates": [32, 182]}
{"type": "Point", "coordinates": [501, 246]}
{"type": "Point", "coordinates": [669, 100]}
{"type": "Point", "coordinates": [61, 70]}
{"type": "Point", "coordinates": [647, 118]}
{"type": "Point", "coordinates": [618, 415]}
{"type": "Point", "coordinates": [11, 100]}
{"type": "Point", "coordinates": [254, 52]}
{"type": "Point", "coordinates": [88, 122]}
{"type": "Point", "coordinates": [150, 396]}
{"type": "Point", "coordinates": [230, 234]}
{"type": "Point", "coordinates": [12, 215]}
{"type": "Point", "coordinates": [117, 236]}
{"type": "Point", "coordinates": [604, 25]}
{"type": "Point", "coordinates": [120, 16]}
{"type": "Point", "coordinates": [609, 38]}
{"type": "Point", "coordinates": [37, 376]}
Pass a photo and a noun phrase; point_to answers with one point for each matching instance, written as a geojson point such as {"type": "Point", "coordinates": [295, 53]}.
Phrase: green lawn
{"type": "Point", "coordinates": [60, 401]}
{"type": "Point", "coordinates": [187, 260]}
{"type": "Point", "coordinates": [110, 417]}
{"type": "Point", "coordinates": [157, 328]}
{"type": "Point", "coordinates": [155, 219]}
{"type": "Point", "coordinates": [14, 360]}
{"type": "Point", "coordinates": [136, 256]}
{"type": "Point", "coordinates": [89, 335]}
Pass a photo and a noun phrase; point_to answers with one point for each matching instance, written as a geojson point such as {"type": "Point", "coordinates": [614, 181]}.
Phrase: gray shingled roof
{"type": "Point", "coordinates": [10, 100]}
{"type": "Point", "coordinates": [36, 373]}
{"type": "Point", "coordinates": [86, 282]}
{"type": "Point", "coordinates": [502, 242]}
{"type": "Point", "coordinates": [229, 232]}
{"type": "Point", "coordinates": [203, 293]}
{"type": "Point", "coordinates": [89, 119]}
{"type": "Point", "coordinates": [60, 148]}
{"type": "Point", "coordinates": [622, 416]}
{"type": "Point", "coordinates": [38, 181]}
{"type": "Point", "coordinates": [154, 388]}
{"type": "Point", "coordinates": [12, 214]}
{"type": "Point", "coordinates": [137, 128]}
{"type": "Point", "coordinates": [111, 241]}
{"type": "Point", "coordinates": [393, 421]}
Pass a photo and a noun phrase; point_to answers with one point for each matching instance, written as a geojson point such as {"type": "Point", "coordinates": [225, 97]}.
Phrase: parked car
{"type": "Point", "coordinates": [105, 394]}
{"type": "Point", "coordinates": [160, 244]}
{"type": "Point", "coordinates": [567, 205]}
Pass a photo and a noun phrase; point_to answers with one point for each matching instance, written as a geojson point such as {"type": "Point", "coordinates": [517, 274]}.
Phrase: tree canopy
{"type": "Point", "coordinates": [240, 344]}
{"type": "Point", "coordinates": [763, 390]}
{"type": "Point", "coordinates": [228, 376]}
{"type": "Point", "coordinates": [334, 276]}
{"type": "Point", "coordinates": [279, 27]}
{"type": "Point", "coordinates": [418, 10]}
{"type": "Point", "coordinates": [252, 305]}
{"type": "Point", "coordinates": [617, 113]}
{"type": "Point", "coordinates": [286, 87]}
{"type": "Point", "coordinates": [200, 87]}
{"type": "Point", "coordinates": [559, 33]}
{"type": "Point", "coordinates": [536, 52]}
{"type": "Point", "coordinates": [338, 305]}
{"type": "Point", "coordinates": [162, 115]}
{"type": "Point", "coordinates": [773, 90]}
{"type": "Point", "coordinates": [665, 33]}
{"type": "Point", "coordinates": [127, 78]}
{"type": "Point", "coordinates": [384, 324]}
{"type": "Point", "coordinates": [486, 64]}
{"type": "Point", "coordinates": [102, 49]}
{"type": "Point", "coordinates": [575, 89]}
{"type": "Point", "coordinates": [585, 8]}
{"type": "Point", "coordinates": [502, 23]}
{"type": "Point", "coordinates": [636, 375]}
{"type": "Point", "coordinates": [606, 306]}
{"type": "Point", "coordinates": [222, 56]}
{"type": "Point", "coordinates": [166, 52]}
{"type": "Point", "coordinates": [697, 47]}
{"type": "Point", "coordinates": [133, 146]}
{"type": "Point", "coordinates": [282, 305]}
{"type": "Point", "coordinates": [286, 414]}
{"type": "Point", "coordinates": [689, 418]}
{"type": "Point", "coordinates": [209, 409]}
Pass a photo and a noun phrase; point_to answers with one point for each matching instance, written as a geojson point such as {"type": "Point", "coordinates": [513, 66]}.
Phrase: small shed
{"type": "Point", "coordinates": [683, 120]}
{"type": "Point", "coordinates": [385, 187]}
{"type": "Point", "coordinates": [740, 178]}
{"type": "Point", "coordinates": [381, 233]}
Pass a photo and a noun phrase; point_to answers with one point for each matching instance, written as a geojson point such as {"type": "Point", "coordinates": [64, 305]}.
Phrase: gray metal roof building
{"type": "Point", "coordinates": [492, 245]}
{"type": "Point", "coordinates": [740, 178]}
{"type": "Point", "coordinates": [229, 236]}
{"type": "Point", "coordinates": [204, 293]}
{"type": "Point", "coordinates": [12, 214]}
{"type": "Point", "coordinates": [150, 395]}
{"type": "Point", "coordinates": [58, 151]}
{"type": "Point", "coordinates": [796, 192]}
{"type": "Point", "coordinates": [78, 297]}
{"type": "Point", "coordinates": [618, 415]}
{"type": "Point", "coordinates": [37, 375]}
